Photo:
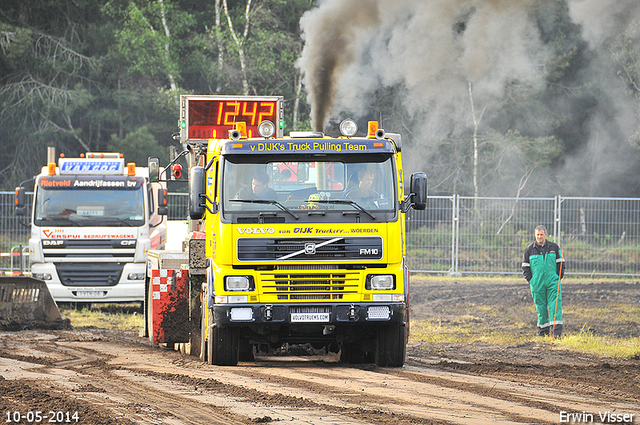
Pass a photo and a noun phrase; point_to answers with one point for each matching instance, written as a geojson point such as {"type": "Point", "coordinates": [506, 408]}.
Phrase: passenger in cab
{"type": "Point", "coordinates": [259, 188]}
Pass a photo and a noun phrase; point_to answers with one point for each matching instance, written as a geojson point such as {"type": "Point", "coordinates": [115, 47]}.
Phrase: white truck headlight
{"type": "Point", "coordinates": [238, 283]}
{"type": "Point", "coordinates": [381, 282]}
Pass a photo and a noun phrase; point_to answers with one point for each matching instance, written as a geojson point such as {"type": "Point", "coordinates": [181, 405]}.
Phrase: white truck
{"type": "Point", "coordinates": [93, 220]}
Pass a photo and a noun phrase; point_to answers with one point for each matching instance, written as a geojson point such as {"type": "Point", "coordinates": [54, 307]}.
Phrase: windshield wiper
{"type": "Point", "coordinates": [345, 201]}
{"type": "Point", "coordinates": [270, 202]}
{"type": "Point", "coordinates": [59, 220]}
{"type": "Point", "coordinates": [119, 219]}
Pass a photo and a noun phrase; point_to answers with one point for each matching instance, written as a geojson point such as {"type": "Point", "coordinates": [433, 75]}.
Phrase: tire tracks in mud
{"type": "Point", "coordinates": [147, 384]}
{"type": "Point", "coordinates": [368, 394]}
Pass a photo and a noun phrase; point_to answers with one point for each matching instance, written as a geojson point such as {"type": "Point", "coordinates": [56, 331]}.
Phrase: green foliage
{"type": "Point", "coordinates": [80, 75]}
{"type": "Point", "coordinates": [138, 146]}
{"type": "Point", "coordinates": [106, 74]}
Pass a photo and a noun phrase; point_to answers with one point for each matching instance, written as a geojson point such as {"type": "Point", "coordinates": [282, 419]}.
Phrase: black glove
{"type": "Point", "coordinates": [560, 269]}
{"type": "Point", "coordinates": [527, 274]}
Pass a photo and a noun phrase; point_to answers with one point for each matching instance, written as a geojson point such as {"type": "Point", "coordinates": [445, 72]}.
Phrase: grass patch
{"type": "Point", "coordinates": [121, 317]}
{"type": "Point", "coordinates": [423, 331]}
{"type": "Point", "coordinates": [521, 333]}
{"type": "Point", "coordinates": [600, 346]}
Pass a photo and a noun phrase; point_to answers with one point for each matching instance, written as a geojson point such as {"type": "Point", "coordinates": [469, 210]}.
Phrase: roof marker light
{"type": "Point", "coordinates": [241, 126]}
{"type": "Point", "coordinates": [348, 128]}
{"type": "Point", "coordinates": [131, 168]}
{"type": "Point", "coordinates": [372, 128]}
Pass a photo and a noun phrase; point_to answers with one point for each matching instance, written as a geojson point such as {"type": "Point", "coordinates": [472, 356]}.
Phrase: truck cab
{"type": "Point", "coordinates": [305, 241]}
{"type": "Point", "coordinates": [93, 221]}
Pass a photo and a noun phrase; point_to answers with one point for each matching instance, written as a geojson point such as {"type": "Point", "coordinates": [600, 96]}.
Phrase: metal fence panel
{"type": "Point", "coordinates": [457, 234]}
{"type": "Point", "coordinates": [601, 235]}
{"type": "Point", "coordinates": [14, 234]}
{"type": "Point", "coordinates": [493, 232]}
{"type": "Point", "coordinates": [430, 243]}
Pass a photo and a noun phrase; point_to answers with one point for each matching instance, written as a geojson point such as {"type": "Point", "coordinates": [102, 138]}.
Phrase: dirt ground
{"type": "Point", "coordinates": [111, 377]}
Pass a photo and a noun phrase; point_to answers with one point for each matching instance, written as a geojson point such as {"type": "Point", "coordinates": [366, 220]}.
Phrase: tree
{"type": "Point", "coordinates": [625, 49]}
{"type": "Point", "coordinates": [44, 85]}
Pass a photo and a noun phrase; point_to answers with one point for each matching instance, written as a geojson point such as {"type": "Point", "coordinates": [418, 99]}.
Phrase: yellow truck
{"type": "Point", "coordinates": [301, 238]}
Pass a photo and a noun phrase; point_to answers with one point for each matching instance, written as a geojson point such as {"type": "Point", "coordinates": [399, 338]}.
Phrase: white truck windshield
{"type": "Point", "coordinates": [87, 207]}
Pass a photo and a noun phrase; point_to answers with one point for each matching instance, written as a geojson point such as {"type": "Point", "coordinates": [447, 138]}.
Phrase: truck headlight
{"type": "Point", "coordinates": [136, 276]}
{"type": "Point", "coordinates": [380, 282]}
{"type": "Point", "coordinates": [42, 276]}
{"type": "Point", "coordinates": [238, 283]}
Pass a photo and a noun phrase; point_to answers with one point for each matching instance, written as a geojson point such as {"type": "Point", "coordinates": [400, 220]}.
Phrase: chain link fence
{"type": "Point", "coordinates": [462, 235]}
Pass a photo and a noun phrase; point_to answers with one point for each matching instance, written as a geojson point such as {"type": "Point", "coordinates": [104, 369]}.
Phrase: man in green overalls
{"type": "Point", "coordinates": [543, 267]}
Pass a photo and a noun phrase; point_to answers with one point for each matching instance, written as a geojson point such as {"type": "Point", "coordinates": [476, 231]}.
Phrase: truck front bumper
{"type": "Point", "coordinates": [305, 314]}
{"type": "Point", "coordinates": [125, 290]}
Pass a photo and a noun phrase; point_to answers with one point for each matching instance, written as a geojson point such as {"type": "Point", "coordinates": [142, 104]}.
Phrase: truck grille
{"type": "Point", "coordinates": [314, 249]}
{"type": "Point", "coordinates": [310, 286]}
{"type": "Point", "coordinates": [93, 274]}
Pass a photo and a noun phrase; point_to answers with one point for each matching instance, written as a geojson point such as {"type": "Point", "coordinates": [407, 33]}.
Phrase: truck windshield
{"type": "Point", "coordinates": [88, 207]}
{"type": "Point", "coordinates": [330, 184]}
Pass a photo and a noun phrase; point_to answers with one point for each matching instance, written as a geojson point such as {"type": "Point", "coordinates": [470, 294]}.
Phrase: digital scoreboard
{"type": "Point", "coordinates": [211, 117]}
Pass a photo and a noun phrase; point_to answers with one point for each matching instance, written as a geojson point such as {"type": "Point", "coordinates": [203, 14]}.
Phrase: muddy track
{"type": "Point", "coordinates": [119, 378]}
{"type": "Point", "coordinates": [138, 383]}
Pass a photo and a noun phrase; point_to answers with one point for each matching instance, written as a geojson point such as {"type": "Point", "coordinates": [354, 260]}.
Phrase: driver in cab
{"type": "Point", "coordinates": [259, 188]}
{"type": "Point", "coordinates": [364, 193]}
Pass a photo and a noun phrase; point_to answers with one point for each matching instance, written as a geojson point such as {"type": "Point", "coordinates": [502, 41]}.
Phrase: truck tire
{"type": "Point", "coordinates": [210, 338]}
{"type": "Point", "coordinates": [355, 353]}
{"type": "Point", "coordinates": [391, 346]}
{"type": "Point", "coordinates": [203, 333]}
{"type": "Point", "coordinates": [223, 345]}
{"type": "Point", "coordinates": [246, 351]}
{"type": "Point", "coordinates": [148, 313]}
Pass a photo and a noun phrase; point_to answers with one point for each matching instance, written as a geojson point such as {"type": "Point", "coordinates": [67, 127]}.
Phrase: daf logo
{"type": "Point", "coordinates": [256, 231]}
{"type": "Point", "coordinates": [127, 242]}
{"type": "Point", "coordinates": [52, 243]}
{"type": "Point", "coordinates": [309, 248]}
{"type": "Point", "coordinates": [369, 251]}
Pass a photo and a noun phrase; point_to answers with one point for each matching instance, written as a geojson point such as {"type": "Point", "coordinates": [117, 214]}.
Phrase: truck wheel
{"type": "Point", "coordinates": [149, 310]}
{"type": "Point", "coordinates": [391, 346]}
{"type": "Point", "coordinates": [246, 351]}
{"type": "Point", "coordinates": [210, 338]}
{"type": "Point", "coordinates": [225, 345]}
{"type": "Point", "coordinates": [354, 353]}
{"type": "Point", "coordinates": [203, 332]}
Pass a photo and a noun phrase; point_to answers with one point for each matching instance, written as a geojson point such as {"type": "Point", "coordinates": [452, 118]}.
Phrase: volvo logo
{"type": "Point", "coordinates": [256, 231]}
{"type": "Point", "coordinates": [309, 248]}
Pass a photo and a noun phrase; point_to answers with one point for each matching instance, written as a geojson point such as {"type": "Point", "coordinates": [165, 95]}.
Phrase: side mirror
{"type": "Point", "coordinates": [163, 207]}
{"type": "Point", "coordinates": [418, 190]}
{"type": "Point", "coordinates": [196, 192]}
{"type": "Point", "coordinates": [21, 208]}
{"type": "Point", "coordinates": [154, 169]}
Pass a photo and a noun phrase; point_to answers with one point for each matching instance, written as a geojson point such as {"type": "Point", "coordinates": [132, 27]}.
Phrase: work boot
{"type": "Point", "coordinates": [557, 331]}
{"type": "Point", "coordinates": [543, 331]}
